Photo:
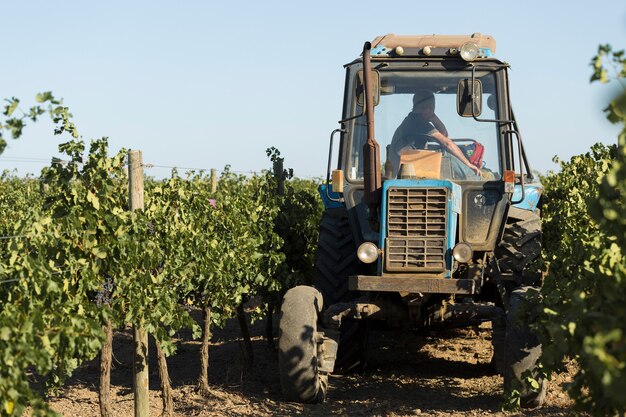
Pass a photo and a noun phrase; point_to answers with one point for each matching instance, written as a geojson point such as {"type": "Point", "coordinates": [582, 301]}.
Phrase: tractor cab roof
{"type": "Point", "coordinates": [468, 47]}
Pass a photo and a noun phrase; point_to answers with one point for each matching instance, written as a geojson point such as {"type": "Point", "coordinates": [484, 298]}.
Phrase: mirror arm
{"type": "Point", "coordinates": [330, 157]}
{"type": "Point", "coordinates": [473, 92]}
{"type": "Point", "coordinates": [528, 171]}
{"type": "Point", "coordinates": [353, 117]}
{"type": "Point", "coordinates": [473, 113]}
{"type": "Point", "coordinates": [521, 170]}
{"type": "Point", "coordinates": [526, 164]}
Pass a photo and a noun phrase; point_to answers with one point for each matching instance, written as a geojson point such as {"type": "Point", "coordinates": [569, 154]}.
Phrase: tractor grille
{"type": "Point", "coordinates": [416, 229]}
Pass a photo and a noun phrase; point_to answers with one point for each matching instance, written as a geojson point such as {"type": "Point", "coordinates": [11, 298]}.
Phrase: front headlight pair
{"type": "Point", "coordinates": [368, 252]}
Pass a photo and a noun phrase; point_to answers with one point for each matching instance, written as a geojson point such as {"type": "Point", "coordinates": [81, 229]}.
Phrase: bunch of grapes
{"type": "Point", "coordinates": [103, 296]}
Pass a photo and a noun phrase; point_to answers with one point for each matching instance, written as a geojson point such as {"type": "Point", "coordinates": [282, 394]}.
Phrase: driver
{"type": "Point", "coordinates": [420, 125]}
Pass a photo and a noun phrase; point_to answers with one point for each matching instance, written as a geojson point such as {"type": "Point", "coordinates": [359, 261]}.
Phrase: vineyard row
{"type": "Point", "coordinates": [85, 264]}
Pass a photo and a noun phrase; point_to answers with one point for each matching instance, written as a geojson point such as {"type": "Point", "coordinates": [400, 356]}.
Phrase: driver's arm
{"type": "Point", "coordinates": [454, 150]}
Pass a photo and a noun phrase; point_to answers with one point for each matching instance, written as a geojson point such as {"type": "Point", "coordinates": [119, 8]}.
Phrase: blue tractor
{"type": "Point", "coordinates": [440, 228]}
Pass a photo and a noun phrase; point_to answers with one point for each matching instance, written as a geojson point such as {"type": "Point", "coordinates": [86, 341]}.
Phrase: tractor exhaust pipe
{"type": "Point", "coordinates": [371, 150]}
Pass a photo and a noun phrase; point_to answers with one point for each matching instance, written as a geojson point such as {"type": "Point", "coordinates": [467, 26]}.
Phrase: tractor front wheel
{"type": "Point", "coordinates": [300, 378]}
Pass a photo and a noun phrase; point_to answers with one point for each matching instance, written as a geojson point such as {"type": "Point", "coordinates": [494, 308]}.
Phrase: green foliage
{"type": "Point", "coordinates": [584, 215]}
{"type": "Point", "coordinates": [14, 124]}
{"type": "Point", "coordinates": [17, 197]}
{"type": "Point", "coordinates": [609, 65]}
{"type": "Point", "coordinates": [250, 249]}
{"type": "Point", "coordinates": [567, 223]}
{"type": "Point", "coordinates": [297, 224]}
{"type": "Point", "coordinates": [79, 238]}
{"type": "Point", "coordinates": [56, 265]}
{"type": "Point", "coordinates": [73, 257]}
{"type": "Point", "coordinates": [607, 60]}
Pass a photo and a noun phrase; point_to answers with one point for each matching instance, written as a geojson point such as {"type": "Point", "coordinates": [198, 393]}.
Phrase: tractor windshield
{"type": "Point", "coordinates": [416, 114]}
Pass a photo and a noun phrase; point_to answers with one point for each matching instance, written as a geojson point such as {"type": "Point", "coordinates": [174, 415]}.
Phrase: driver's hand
{"type": "Point", "coordinates": [475, 169]}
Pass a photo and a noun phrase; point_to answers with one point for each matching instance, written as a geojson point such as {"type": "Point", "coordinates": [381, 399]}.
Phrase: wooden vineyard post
{"type": "Point", "coordinates": [279, 174]}
{"type": "Point", "coordinates": [213, 181]}
{"type": "Point", "coordinates": [106, 354]}
{"type": "Point", "coordinates": [140, 336]}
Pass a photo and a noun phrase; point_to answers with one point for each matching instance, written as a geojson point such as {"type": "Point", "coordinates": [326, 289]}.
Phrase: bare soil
{"type": "Point", "coordinates": [442, 374]}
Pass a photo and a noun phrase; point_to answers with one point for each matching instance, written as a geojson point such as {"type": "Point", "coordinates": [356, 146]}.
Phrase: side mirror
{"type": "Point", "coordinates": [360, 87]}
{"type": "Point", "coordinates": [469, 98]}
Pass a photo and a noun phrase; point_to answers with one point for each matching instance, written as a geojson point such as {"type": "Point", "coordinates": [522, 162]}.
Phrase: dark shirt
{"type": "Point", "coordinates": [413, 131]}
{"type": "Point", "coordinates": [410, 130]}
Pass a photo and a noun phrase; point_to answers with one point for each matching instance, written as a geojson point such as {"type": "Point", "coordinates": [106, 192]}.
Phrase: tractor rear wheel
{"type": "Point", "coordinates": [521, 246]}
{"type": "Point", "coordinates": [300, 378]}
{"type": "Point", "coordinates": [517, 254]}
{"type": "Point", "coordinates": [522, 351]}
{"type": "Point", "coordinates": [336, 261]}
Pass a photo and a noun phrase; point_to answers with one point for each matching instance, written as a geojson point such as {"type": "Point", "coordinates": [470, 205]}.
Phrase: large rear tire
{"type": "Point", "coordinates": [521, 246]}
{"type": "Point", "coordinates": [336, 261]}
{"type": "Point", "coordinates": [300, 378]}
{"type": "Point", "coordinates": [522, 351]}
{"type": "Point", "coordinates": [517, 254]}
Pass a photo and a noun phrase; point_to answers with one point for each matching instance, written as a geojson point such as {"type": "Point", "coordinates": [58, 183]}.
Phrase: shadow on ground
{"type": "Point", "coordinates": [446, 373]}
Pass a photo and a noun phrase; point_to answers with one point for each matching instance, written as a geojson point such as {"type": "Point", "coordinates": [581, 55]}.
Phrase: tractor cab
{"type": "Point", "coordinates": [413, 104]}
{"type": "Point", "coordinates": [445, 137]}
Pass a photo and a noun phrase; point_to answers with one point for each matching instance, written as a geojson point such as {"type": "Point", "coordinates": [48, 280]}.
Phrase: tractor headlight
{"type": "Point", "coordinates": [469, 51]}
{"type": "Point", "coordinates": [463, 253]}
{"type": "Point", "coordinates": [367, 252]}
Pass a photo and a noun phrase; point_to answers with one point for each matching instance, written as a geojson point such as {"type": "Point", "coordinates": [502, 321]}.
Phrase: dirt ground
{"type": "Point", "coordinates": [441, 374]}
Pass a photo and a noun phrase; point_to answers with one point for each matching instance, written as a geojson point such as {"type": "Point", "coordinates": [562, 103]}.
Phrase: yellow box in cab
{"type": "Point", "coordinates": [427, 164]}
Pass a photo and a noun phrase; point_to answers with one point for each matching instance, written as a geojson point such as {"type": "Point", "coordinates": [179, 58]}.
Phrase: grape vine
{"type": "Point", "coordinates": [74, 259]}
{"type": "Point", "coordinates": [584, 290]}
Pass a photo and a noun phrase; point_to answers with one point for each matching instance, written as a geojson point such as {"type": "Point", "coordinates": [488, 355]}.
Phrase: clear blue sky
{"type": "Point", "coordinates": [205, 84]}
